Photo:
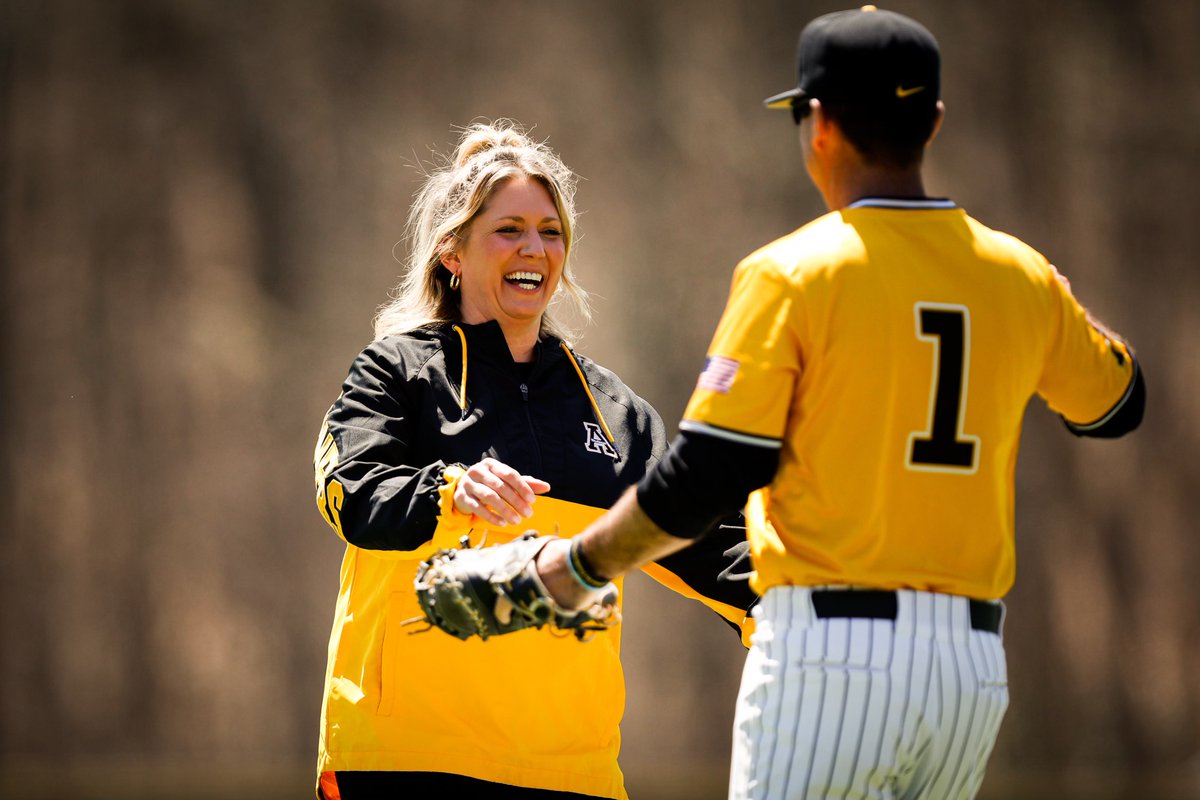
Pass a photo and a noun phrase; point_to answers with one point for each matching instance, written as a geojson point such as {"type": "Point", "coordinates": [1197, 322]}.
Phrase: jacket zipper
{"type": "Point", "coordinates": [537, 448]}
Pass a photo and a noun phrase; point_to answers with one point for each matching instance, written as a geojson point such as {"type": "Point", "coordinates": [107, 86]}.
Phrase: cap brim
{"type": "Point", "coordinates": [785, 99]}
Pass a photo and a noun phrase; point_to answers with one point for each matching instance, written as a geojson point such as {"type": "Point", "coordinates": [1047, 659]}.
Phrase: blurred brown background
{"type": "Point", "coordinates": [200, 203]}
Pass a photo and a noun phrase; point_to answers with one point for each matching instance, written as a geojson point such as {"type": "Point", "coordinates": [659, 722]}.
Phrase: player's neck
{"type": "Point", "coordinates": [867, 182]}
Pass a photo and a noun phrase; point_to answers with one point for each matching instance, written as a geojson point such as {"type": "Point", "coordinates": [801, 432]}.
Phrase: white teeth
{"type": "Point", "coordinates": [526, 280]}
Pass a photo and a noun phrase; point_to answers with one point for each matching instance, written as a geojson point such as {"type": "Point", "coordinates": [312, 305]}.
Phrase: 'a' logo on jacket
{"type": "Point", "coordinates": [595, 442]}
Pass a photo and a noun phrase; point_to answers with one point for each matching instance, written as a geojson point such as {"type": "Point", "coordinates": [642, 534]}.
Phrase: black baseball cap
{"type": "Point", "coordinates": [865, 56]}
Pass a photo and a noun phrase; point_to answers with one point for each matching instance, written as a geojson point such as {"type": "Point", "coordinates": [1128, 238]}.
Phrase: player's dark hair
{"type": "Point", "coordinates": [885, 137]}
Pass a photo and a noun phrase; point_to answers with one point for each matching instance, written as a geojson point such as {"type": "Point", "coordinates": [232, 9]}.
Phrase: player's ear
{"type": "Point", "coordinates": [821, 127]}
{"type": "Point", "coordinates": [827, 138]}
{"type": "Point", "coordinates": [937, 122]}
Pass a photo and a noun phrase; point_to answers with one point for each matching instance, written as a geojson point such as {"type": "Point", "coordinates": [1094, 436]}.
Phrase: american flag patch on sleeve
{"type": "Point", "coordinates": [718, 374]}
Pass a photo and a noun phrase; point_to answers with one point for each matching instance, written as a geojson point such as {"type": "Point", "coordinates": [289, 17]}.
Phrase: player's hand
{"type": "Point", "coordinates": [497, 493]}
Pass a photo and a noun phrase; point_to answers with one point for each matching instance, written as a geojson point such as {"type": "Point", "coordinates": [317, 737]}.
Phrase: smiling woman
{"type": "Point", "coordinates": [489, 200]}
{"type": "Point", "coordinates": [471, 417]}
{"type": "Point", "coordinates": [509, 262]}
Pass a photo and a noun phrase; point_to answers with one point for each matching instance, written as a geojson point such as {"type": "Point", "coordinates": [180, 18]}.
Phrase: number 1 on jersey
{"type": "Point", "coordinates": [943, 447]}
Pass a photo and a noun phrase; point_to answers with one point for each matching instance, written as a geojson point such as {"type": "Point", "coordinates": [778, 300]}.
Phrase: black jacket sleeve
{"type": "Point", "coordinates": [366, 486]}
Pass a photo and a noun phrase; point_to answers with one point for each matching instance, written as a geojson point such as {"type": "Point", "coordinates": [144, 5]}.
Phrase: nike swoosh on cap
{"type": "Point", "coordinates": [901, 92]}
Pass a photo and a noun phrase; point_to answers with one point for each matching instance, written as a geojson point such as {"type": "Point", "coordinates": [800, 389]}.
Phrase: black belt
{"type": "Point", "coordinates": [879, 604]}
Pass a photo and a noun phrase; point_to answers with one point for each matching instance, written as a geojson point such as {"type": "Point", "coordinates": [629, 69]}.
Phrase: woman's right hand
{"type": "Point", "coordinates": [497, 493]}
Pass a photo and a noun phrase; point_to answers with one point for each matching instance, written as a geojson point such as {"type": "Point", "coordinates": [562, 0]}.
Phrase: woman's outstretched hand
{"type": "Point", "coordinates": [497, 493]}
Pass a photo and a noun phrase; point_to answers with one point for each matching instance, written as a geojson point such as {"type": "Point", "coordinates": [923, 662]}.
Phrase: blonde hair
{"type": "Point", "coordinates": [487, 156]}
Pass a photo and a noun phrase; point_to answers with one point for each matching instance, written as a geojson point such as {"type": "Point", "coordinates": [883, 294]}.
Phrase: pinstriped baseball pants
{"type": "Point", "coordinates": [855, 708]}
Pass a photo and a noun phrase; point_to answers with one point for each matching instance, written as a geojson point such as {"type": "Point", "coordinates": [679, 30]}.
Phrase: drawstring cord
{"type": "Point", "coordinates": [462, 388]}
{"type": "Point", "coordinates": [462, 385]}
{"type": "Point", "coordinates": [599, 417]}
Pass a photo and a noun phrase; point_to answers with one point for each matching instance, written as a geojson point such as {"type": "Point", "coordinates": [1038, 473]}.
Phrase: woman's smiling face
{"type": "Point", "coordinates": [511, 258]}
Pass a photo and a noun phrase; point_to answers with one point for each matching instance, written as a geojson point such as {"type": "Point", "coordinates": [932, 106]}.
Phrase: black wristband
{"type": "Point", "coordinates": [581, 570]}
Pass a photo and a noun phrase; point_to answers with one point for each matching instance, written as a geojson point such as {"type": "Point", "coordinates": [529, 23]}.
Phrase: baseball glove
{"type": "Point", "coordinates": [490, 591]}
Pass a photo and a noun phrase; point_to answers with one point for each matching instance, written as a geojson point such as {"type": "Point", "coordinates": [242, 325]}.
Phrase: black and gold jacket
{"type": "Point", "coordinates": [411, 407]}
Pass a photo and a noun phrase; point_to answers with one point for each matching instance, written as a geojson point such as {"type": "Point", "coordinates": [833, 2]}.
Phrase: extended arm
{"type": "Point", "coordinates": [702, 478]}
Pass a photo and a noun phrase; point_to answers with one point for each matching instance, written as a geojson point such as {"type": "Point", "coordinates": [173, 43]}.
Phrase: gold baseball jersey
{"type": "Point", "coordinates": [889, 349]}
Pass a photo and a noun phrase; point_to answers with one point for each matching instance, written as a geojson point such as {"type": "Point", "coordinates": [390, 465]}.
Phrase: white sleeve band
{"type": "Point", "coordinates": [730, 436]}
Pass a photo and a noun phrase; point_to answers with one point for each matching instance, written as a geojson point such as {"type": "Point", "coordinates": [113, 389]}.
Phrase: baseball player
{"type": "Point", "coordinates": [863, 397]}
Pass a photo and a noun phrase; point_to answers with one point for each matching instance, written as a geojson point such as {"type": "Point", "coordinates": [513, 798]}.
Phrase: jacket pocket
{"type": "Point", "coordinates": [390, 653]}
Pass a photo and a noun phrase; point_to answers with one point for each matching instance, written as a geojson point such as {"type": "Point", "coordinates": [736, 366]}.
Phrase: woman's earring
{"type": "Point", "coordinates": [455, 281]}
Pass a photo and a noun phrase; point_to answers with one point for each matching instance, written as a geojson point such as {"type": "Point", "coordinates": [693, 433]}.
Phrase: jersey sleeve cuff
{"type": "Point", "coordinates": [1123, 417]}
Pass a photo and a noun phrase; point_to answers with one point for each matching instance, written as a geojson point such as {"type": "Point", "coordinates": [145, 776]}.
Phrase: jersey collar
{"type": "Point", "coordinates": [907, 202]}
